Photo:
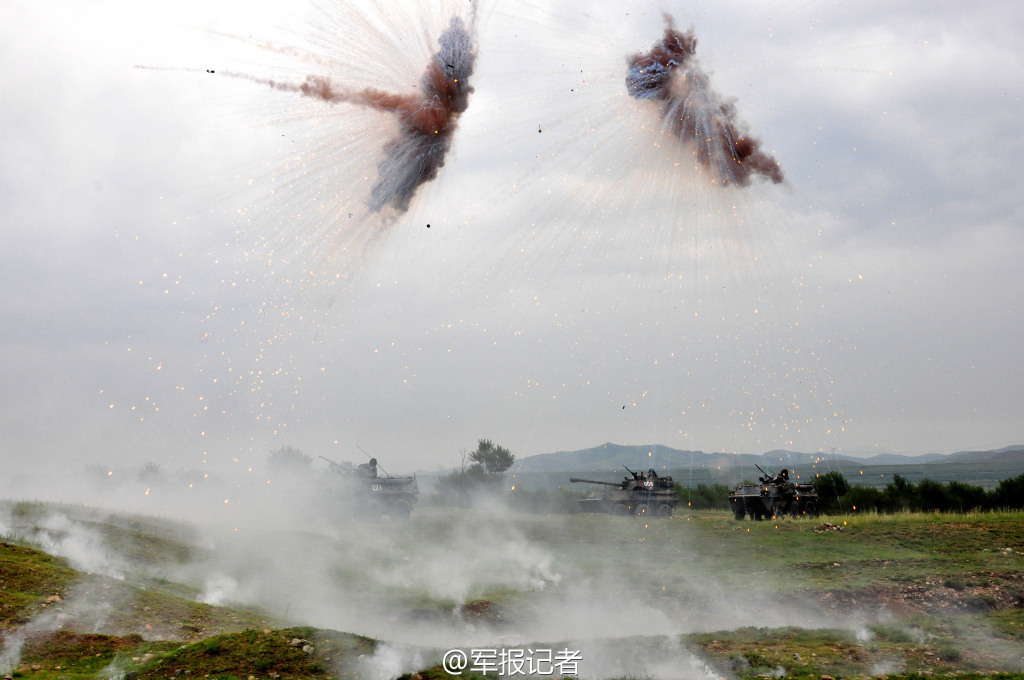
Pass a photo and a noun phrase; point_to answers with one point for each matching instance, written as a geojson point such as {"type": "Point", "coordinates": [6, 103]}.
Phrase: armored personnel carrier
{"type": "Point", "coordinates": [641, 494]}
{"type": "Point", "coordinates": [358, 492]}
{"type": "Point", "coordinates": [775, 496]}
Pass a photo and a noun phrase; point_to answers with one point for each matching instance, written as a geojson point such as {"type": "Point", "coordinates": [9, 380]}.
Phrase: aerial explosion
{"type": "Point", "coordinates": [427, 119]}
{"type": "Point", "coordinates": [669, 76]}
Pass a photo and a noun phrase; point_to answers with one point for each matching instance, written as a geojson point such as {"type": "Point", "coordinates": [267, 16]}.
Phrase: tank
{"type": "Point", "coordinates": [638, 494]}
{"type": "Point", "coordinates": [357, 492]}
{"type": "Point", "coordinates": [774, 496]}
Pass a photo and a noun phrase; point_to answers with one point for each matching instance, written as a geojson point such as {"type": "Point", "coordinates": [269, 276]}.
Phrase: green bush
{"type": "Point", "coordinates": [901, 495]}
{"type": "Point", "coordinates": [459, 487]}
{"type": "Point", "coordinates": [831, 488]}
{"type": "Point", "coordinates": [705, 496]}
{"type": "Point", "coordinates": [1009, 494]}
{"type": "Point", "coordinates": [864, 499]}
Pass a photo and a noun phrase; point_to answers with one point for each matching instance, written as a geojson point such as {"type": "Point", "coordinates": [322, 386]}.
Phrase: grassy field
{"type": "Point", "coordinates": [885, 595]}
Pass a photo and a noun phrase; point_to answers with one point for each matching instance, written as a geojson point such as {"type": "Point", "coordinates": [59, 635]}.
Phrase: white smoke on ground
{"type": "Point", "coordinates": [13, 641]}
{"type": "Point", "coordinates": [219, 589]}
{"type": "Point", "coordinates": [658, 657]}
{"type": "Point", "coordinates": [391, 661]}
{"type": "Point", "coordinates": [447, 577]}
{"type": "Point", "coordinates": [484, 550]}
{"type": "Point", "coordinates": [427, 581]}
{"type": "Point", "coordinates": [82, 546]}
{"type": "Point", "coordinates": [114, 671]}
{"type": "Point", "coordinates": [88, 608]}
{"type": "Point", "coordinates": [450, 577]}
{"type": "Point", "coordinates": [887, 666]}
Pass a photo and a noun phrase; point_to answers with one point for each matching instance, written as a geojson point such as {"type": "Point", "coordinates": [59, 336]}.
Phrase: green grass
{"type": "Point", "coordinates": [876, 548]}
{"type": "Point", "coordinates": [139, 540]}
{"type": "Point", "coordinates": [262, 652]}
{"type": "Point", "coordinates": [959, 553]}
{"type": "Point", "coordinates": [72, 656]}
{"type": "Point", "coordinates": [28, 578]}
{"type": "Point", "coordinates": [898, 648]}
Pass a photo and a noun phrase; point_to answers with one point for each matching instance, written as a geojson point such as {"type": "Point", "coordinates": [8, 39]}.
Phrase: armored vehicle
{"type": "Point", "coordinates": [358, 492]}
{"type": "Point", "coordinates": [775, 496]}
{"type": "Point", "coordinates": [640, 494]}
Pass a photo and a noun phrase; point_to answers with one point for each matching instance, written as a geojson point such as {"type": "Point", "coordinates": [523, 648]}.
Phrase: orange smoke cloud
{"type": "Point", "coordinates": [427, 119]}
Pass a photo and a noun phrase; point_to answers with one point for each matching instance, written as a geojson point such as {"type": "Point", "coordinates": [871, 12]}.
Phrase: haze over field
{"type": "Point", "coordinates": [194, 272]}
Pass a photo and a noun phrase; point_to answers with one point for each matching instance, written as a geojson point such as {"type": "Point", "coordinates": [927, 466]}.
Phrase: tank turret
{"type": "Point", "coordinates": [639, 494]}
{"type": "Point", "coordinates": [359, 493]}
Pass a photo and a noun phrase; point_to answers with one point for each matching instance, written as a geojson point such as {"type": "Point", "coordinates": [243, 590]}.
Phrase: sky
{"type": "Point", "coordinates": [190, 274]}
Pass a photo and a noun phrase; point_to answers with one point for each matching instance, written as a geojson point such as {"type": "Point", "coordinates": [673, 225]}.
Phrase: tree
{"type": "Point", "coordinates": [704, 496]}
{"type": "Point", "coordinates": [483, 477]}
{"type": "Point", "coordinates": [900, 495]}
{"type": "Point", "coordinates": [831, 487]}
{"type": "Point", "coordinates": [1009, 493]}
{"type": "Point", "coordinates": [289, 460]}
{"type": "Point", "coordinates": [492, 458]}
{"type": "Point", "coordinates": [151, 474]}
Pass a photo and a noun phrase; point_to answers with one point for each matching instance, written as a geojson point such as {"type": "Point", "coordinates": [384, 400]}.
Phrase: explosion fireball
{"type": "Point", "coordinates": [427, 119]}
{"type": "Point", "coordinates": [669, 76]}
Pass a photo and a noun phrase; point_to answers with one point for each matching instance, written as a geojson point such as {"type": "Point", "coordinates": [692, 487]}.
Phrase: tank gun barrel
{"type": "Point", "coordinates": [594, 481]}
{"type": "Point", "coordinates": [337, 465]}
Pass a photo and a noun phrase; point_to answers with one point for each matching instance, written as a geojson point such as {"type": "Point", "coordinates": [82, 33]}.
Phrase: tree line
{"type": "Point", "coordinates": [901, 495]}
{"type": "Point", "coordinates": [836, 495]}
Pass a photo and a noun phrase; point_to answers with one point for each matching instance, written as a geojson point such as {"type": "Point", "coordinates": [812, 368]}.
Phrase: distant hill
{"type": "Point", "coordinates": [901, 459]}
{"type": "Point", "coordinates": [1010, 454]}
{"type": "Point", "coordinates": [611, 456]}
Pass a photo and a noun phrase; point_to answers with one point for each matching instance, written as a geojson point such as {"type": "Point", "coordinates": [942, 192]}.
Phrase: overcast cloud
{"type": "Point", "coordinates": [556, 301]}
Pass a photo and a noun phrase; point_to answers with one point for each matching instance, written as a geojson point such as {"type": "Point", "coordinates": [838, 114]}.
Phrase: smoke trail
{"type": "Point", "coordinates": [427, 119]}
{"type": "Point", "coordinates": [668, 75]}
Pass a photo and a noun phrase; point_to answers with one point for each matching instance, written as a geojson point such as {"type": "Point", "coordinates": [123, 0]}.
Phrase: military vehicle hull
{"type": "Point", "coordinates": [357, 494]}
{"type": "Point", "coordinates": [767, 500]}
{"type": "Point", "coordinates": [622, 505]}
{"type": "Point", "coordinates": [636, 496]}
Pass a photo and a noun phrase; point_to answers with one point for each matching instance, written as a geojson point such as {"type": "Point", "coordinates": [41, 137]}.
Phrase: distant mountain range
{"type": "Point", "coordinates": [613, 456]}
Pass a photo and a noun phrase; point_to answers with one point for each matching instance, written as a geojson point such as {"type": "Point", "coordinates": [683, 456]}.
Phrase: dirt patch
{"type": "Point", "coordinates": [481, 610]}
{"type": "Point", "coordinates": [67, 645]}
{"type": "Point", "coordinates": [931, 596]}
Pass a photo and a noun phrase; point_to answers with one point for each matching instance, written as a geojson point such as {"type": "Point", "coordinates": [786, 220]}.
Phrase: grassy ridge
{"type": "Point", "coordinates": [34, 583]}
{"type": "Point", "coordinates": [28, 578]}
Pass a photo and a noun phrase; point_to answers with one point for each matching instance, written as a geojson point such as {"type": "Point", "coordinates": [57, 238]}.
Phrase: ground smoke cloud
{"type": "Point", "coordinates": [669, 76]}
{"type": "Point", "coordinates": [427, 119]}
